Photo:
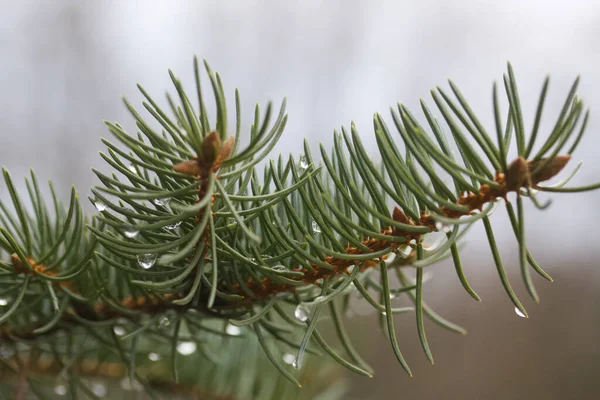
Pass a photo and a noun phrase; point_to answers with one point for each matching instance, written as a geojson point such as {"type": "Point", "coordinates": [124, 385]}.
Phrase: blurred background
{"type": "Point", "coordinates": [65, 64]}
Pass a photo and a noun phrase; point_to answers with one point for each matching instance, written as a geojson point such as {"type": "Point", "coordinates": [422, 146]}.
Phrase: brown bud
{"type": "Point", "coordinates": [550, 168]}
{"type": "Point", "coordinates": [22, 267]}
{"type": "Point", "coordinates": [17, 263]}
{"type": "Point", "coordinates": [210, 148]}
{"type": "Point", "coordinates": [399, 216]}
{"type": "Point", "coordinates": [516, 174]}
{"type": "Point", "coordinates": [213, 153]}
{"type": "Point", "coordinates": [224, 153]}
{"type": "Point", "coordinates": [190, 167]}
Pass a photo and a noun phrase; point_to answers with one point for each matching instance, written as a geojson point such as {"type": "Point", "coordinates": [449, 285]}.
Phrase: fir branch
{"type": "Point", "coordinates": [190, 229]}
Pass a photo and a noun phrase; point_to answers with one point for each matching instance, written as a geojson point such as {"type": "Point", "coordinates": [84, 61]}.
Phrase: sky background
{"type": "Point", "coordinates": [64, 66]}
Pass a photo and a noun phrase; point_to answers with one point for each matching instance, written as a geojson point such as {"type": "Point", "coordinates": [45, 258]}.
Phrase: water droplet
{"type": "Point", "coordinates": [404, 251]}
{"type": "Point", "coordinates": [351, 268]}
{"type": "Point", "coordinates": [162, 202]}
{"type": "Point", "coordinates": [146, 261]}
{"type": "Point", "coordinates": [99, 389]}
{"type": "Point", "coordinates": [392, 296]}
{"type": "Point", "coordinates": [319, 299]}
{"type": "Point", "coordinates": [173, 226]}
{"type": "Point", "coordinates": [164, 322]}
{"type": "Point", "coordinates": [301, 313]}
{"type": "Point", "coordinates": [233, 330]}
{"type": "Point", "coordinates": [100, 206]}
{"type": "Point", "coordinates": [3, 301]}
{"type": "Point", "coordinates": [289, 358]}
{"type": "Point", "coordinates": [384, 313]}
{"type": "Point", "coordinates": [295, 363]}
{"type": "Point", "coordinates": [132, 168]}
{"type": "Point", "coordinates": [519, 313]}
{"type": "Point", "coordinates": [130, 232]}
{"type": "Point", "coordinates": [433, 241]}
{"type": "Point", "coordinates": [119, 330]}
{"type": "Point", "coordinates": [303, 162]}
{"type": "Point", "coordinates": [315, 227]}
{"type": "Point", "coordinates": [279, 268]}
{"type": "Point", "coordinates": [60, 390]}
{"type": "Point", "coordinates": [153, 356]}
{"type": "Point", "coordinates": [6, 352]}
{"type": "Point", "coordinates": [186, 348]}
{"type": "Point", "coordinates": [127, 384]}
{"type": "Point", "coordinates": [390, 258]}
{"type": "Point", "coordinates": [443, 227]}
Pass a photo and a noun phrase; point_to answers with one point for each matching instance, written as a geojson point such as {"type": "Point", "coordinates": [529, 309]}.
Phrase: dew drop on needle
{"type": "Point", "coordinates": [161, 202]}
{"type": "Point", "coordinates": [130, 232]}
{"type": "Point", "coordinates": [443, 227]}
{"type": "Point", "coordinates": [315, 227]}
{"type": "Point", "coordinates": [186, 348]}
{"type": "Point", "coordinates": [174, 226]}
{"type": "Point", "coordinates": [303, 162]}
{"type": "Point", "coordinates": [100, 206]}
{"type": "Point", "coordinates": [301, 313]}
{"type": "Point", "coordinates": [233, 330]}
{"type": "Point", "coordinates": [146, 261]}
{"type": "Point", "coordinates": [289, 358]}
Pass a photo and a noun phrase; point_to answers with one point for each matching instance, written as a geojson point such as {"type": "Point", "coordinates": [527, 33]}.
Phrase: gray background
{"type": "Point", "coordinates": [65, 64]}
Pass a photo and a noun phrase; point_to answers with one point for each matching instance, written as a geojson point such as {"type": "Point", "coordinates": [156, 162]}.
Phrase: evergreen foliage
{"type": "Point", "coordinates": [203, 245]}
